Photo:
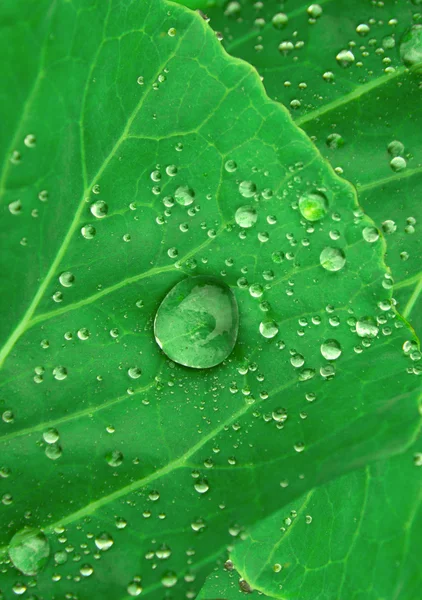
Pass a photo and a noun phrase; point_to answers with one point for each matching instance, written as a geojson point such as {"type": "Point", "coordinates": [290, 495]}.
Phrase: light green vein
{"type": "Point", "coordinates": [386, 180]}
{"type": "Point", "coordinates": [413, 299]}
{"type": "Point", "coordinates": [22, 325]}
{"type": "Point", "coordinates": [89, 411]}
{"type": "Point", "coordinates": [355, 95]}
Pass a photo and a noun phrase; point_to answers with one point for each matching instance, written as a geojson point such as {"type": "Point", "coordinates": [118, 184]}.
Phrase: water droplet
{"type": "Point", "coordinates": [59, 373]}
{"type": "Point", "coordinates": [314, 11]}
{"type": "Point", "coordinates": [331, 349]}
{"type": "Point", "coordinates": [367, 327]}
{"type": "Point", "coordinates": [15, 207]}
{"type": "Point", "coordinates": [370, 234]}
{"type": "Point", "coordinates": [30, 141]}
{"type": "Point", "coordinates": [308, 519]}
{"type": "Point", "coordinates": [363, 29]}
{"type": "Point", "coordinates": [197, 322]}
{"type": "Point", "coordinates": [201, 486]}
{"type": "Point", "coordinates": [230, 166]}
{"type": "Point", "coordinates": [114, 458]}
{"type": "Point", "coordinates": [334, 141]}
{"type": "Point", "coordinates": [88, 232]}
{"type": "Point", "coordinates": [134, 372]}
{"type": "Point", "coordinates": [67, 279]}
{"type": "Point", "coordinates": [99, 209]}
{"type": "Point", "coordinates": [169, 579]}
{"type": "Point", "coordinates": [134, 588]}
{"type": "Point", "coordinates": [398, 163]}
{"type": "Point", "coordinates": [86, 570]}
{"type": "Point", "coordinates": [313, 206]}
{"type": "Point", "coordinates": [345, 58]}
{"type": "Point", "coordinates": [246, 216]}
{"type": "Point", "coordinates": [51, 435]}
{"type": "Point", "coordinates": [411, 46]}
{"type": "Point", "coordinates": [268, 329]}
{"type": "Point", "coordinates": [332, 259]}
{"type": "Point", "coordinates": [53, 451]}
{"type": "Point", "coordinates": [280, 20]}
{"type": "Point", "coordinates": [395, 148]}
{"type": "Point", "coordinates": [389, 226]}
{"type": "Point", "coordinates": [247, 189]}
{"type": "Point", "coordinates": [184, 195]}
{"type": "Point", "coordinates": [29, 550]}
{"type": "Point", "coordinates": [104, 541]}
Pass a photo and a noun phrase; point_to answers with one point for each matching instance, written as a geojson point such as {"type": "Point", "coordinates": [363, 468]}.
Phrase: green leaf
{"type": "Point", "coordinates": [372, 551]}
{"type": "Point", "coordinates": [138, 470]}
{"type": "Point", "coordinates": [353, 114]}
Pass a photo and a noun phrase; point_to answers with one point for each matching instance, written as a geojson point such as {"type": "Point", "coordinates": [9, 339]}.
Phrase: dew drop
{"type": "Point", "coordinates": [88, 232]}
{"type": "Point", "coordinates": [370, 234]}
{"type": "Point", "coordinates": [246, 216]}
{"type": "Point", "coordinates": [398, 163]}
{"type": "Point", "coordinates": [51, 435]}
{"type": "Point", "coordinates": [184, 195]}
{"type": "Point", "coordinates": [367, 327]}
{"type": "Point", "coordinates": [345, 58]}
{"type": "Point", "coordinates": [169, 579]}
{"type": "Point", "coordinates": [332, 259]}
{"type": "Point", "coordinates": [60, 373]}
{"type": "Point", "coordinates": [331, 349]}
{"type": "Point", "coordinates": [196, 324]}
{"type": "Point", "coordinates": [247, 189]}
{"type": "Point", "coordinates": [313, 206]}
{"type": "Point", "coordinates": [99, 209]}
{"type": "Point", "coordinates": [395, 148]}
{"type": "Point", "coordinates": [201, 486]}
{"type": "Point", "coordinates": [268, 329]}
{"type": "Point", "coordinates": [280, 20]}
{"type": "Point", "coordinates": [67, 279]}
{"type": "Point", "coordinates": [134, 588]}
{"type": "Point", "coordinates": [29, 550]}
{"type": "Point", "coordinates": [314, 11]}
{"type": "Point", "coordinates": [104, 541]}
{"type": "Point", "coordinates": [411, 46]}
{"type": "Point", "coordinates": [114, 458]}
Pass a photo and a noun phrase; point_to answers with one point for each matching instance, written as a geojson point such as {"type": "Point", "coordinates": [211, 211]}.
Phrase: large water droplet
{"type": "Point", "coordinates": [246, 216]}
{"type": "Point", "coordinates": [197, 322]}
{"type": "Point", "coordinates": [99, 209]}
{"type": "Point", "coordinates": [345, 58]}
{"type": "Point", "coordinates": [411, 46]}
{"type": "Point", "coordinates": [332, 259]}
{"type": "Point", "coordinates": [367, 327]}
{"type": "Point", "coordinates": [313, 206]}
{"type": "Point", "coordinates": [331, 349]}
{"type": "Point", "coordinates": [29, 550]}
{"type": "Point", "coordinates": [184, 195]}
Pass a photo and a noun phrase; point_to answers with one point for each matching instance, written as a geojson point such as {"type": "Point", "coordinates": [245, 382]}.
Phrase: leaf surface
{"type": "Point", "coordinates": [140, 471]}
{"type": "Point", "coordinates": [372, 551]}
{"type": "Point", "coordinates": [352, 113]}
